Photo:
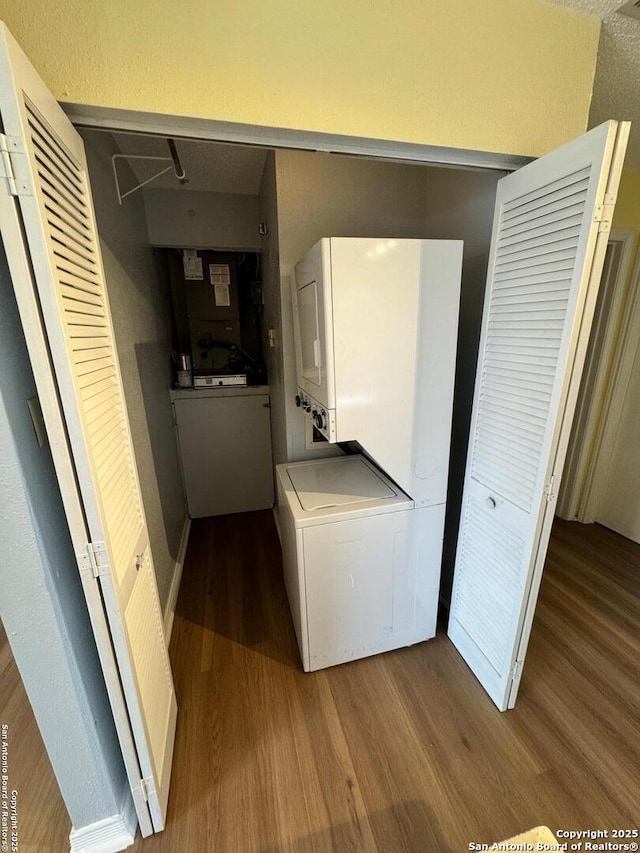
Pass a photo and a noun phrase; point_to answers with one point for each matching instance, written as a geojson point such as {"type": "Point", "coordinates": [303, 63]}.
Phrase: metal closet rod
{"type": "Point", "coordinates": [177, 165]}
{"type": "Point", "coordinates": [174, 159]}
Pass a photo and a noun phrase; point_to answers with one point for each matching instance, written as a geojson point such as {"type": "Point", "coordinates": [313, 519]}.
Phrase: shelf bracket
{"type": "Point", "coordinates": [116, 157]}
{"type": "Point", "coordinates": [173, 160]}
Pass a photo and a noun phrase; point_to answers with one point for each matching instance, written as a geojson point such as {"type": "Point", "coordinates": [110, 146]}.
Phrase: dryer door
{"type": "Point", "coordinates": [308, 320]}
{"type": "Point", "coordinates": [313, 324]}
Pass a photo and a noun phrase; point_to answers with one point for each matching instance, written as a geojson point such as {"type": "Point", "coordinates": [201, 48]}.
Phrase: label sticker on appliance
{"type": "Point", "coordinates": [193, 268]}
{"type": "Point", "coordinates": [222, 295]}
{"type": "Point", "coordinates": [219, 274]}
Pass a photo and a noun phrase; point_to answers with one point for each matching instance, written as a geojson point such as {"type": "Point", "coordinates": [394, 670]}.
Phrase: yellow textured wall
{"type": "Point", "coordinates": [498, 75]}
{"type": "Point", "coordinates": [627, 212]}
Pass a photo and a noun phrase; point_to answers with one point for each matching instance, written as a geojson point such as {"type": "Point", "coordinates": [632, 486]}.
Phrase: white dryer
{"type": "Point", "coordinates": [361, 562]}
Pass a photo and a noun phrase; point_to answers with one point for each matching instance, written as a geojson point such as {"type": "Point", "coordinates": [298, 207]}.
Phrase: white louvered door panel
{"type": "Point", "coordinates": [67, 290]}
{"type": "Point", "coordinates": [546, 258]}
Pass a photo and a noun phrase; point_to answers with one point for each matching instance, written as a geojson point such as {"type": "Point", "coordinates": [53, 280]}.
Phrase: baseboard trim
{"type": "Point", "coordinates": [170, 609]}
{"type": "Point", "coordinates": [106, 836]}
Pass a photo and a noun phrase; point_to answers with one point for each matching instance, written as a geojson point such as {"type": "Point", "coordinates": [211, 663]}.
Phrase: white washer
{"type": "Point", "coordinates": [361, 563]}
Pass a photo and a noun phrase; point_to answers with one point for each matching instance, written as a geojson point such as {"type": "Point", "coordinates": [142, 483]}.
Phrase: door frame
{"type": "Point", "coordinates": [621, 377]}
{"type": "Point", "coordinates": [108, 119]}
{"type": "Point", "coordinates": [588, 457]}
{"type": "Point", "coordinates": [211, 130]}
{"type": "Point", "coordinates": [262, 136]}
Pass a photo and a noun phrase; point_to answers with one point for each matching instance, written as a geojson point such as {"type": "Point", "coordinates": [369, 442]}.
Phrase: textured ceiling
{"type": "Point", "coordinates": [209, 166]}
{"type": "Point", "coordinates": [616, 92]}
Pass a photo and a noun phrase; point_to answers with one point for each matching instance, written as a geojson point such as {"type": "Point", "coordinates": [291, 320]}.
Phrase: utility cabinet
{"type": "Point", "coordinates": [224, 436]}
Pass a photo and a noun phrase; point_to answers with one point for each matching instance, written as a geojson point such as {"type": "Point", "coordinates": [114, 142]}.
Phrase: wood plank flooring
{"type": "Point", "coordinates": [394, 754]}
{"type": "Point", "coordinates": [401, 752]}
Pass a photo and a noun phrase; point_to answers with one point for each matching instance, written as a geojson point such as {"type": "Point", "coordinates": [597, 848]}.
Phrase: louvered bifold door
{"type": "Point", "coordinates": [549, 237]}
{"type": "Point", "coordinates": [54, 208]}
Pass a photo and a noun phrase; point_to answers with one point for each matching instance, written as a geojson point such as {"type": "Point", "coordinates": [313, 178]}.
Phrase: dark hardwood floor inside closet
{"type": "Point", "coordinates": [401, 752]}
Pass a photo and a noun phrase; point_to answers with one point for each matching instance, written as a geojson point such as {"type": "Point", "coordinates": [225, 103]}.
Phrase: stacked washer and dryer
{"type": "Point", "coordinates": [375, 324]}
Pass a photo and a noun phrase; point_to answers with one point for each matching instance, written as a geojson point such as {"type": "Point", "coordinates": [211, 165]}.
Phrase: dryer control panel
{"type": "Point", "coordinates": [324, 420]}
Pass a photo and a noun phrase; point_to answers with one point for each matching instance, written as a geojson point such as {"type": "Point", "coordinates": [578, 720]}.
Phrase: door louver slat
{"type": "Point", "coordinates": [59, 221]}
{"type": "Point", "coordinates": [530, 277]}
{"type": "Point", "coordinates": [515, 457]}
{"type": "Point", "coordinates": [93, 364]}
{"type": "Point", "coordinates": [554, 190]}
{"type": "Point", "coordinates": [101, 435]}
{"type": "Point", "coordinates": [40, 131]}
{"type": "Point", "coordinates": [69, 213]}
{"type": "Point", "coordinates": [83, 308]}
{"type": "Point", "coordinates": [81, 295]}
{"type": "Point", "coordinates": [556, 201]}
{"type": "Point", "coordinates": [521, 443]}
{"type": "Point", "coordinates": [67, 239]}
{"type": "Point", "coordinates": [56, 189]}
{"type": "Point", "coordinates": [523, 380]}
{"type": "Point", "coordinates": [549, 262]}
{"type": "Point", "coordinates": [526, 433]}
{"type": "Point", "coordinates": [557, 241]}
{"type": "Point", "coordinates": [492, 587]}
{"type": "Point", "coordinates": [536, 296]}
{"type": "Point", "coordinates": [561, 219]}
{"type": "Point", "coordinates": [65, 201]}
{"type": "Point", "coordinates": [511, 328]}
{"type": "Point", "coordinates": [502, 386]}
{"type": "Point", "coordinates": [65, 249]}
{"type": "Point", "coordinates": [53, 251]}
{"type": "Point", "coordinates": [55, 170]}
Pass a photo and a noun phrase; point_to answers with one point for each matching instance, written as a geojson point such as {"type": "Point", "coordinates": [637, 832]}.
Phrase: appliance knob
{"type": "Point", "coordinates": [306, 406]}
{"type": "Point", "coordinates": [298, 400]}
{"type": "Point", "coordinates": [319, 420]}
{"type": "Point", "coordinates": [314, 414]}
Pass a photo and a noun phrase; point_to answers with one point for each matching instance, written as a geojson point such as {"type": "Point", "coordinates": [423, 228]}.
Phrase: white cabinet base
{"type": "Point", "coordinates": [225, 448]}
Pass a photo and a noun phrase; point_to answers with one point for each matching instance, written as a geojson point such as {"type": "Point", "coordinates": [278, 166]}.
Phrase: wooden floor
{"type": "Point", "coordinates": [403, 751]}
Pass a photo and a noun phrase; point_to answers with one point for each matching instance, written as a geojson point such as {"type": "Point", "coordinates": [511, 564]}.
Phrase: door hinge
{"type": "Point", "coordinates": [95, 560]}
{"type": "Point", "coordinates": [13, 164]}
{"type": "Point", "coordinates": [146, 787]}
{"type": "Point", "coordinates": [549, 492]}
{"type": "Point", "coordinates": [517, 670]}
{"type": "Point", "coordinates": [604, 213]}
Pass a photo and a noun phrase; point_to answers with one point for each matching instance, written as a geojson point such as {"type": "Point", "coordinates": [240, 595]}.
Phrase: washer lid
{"type": "Point", "coordinates": [347, 480]}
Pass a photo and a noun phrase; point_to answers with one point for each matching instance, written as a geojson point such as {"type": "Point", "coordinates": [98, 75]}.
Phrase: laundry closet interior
{"type": "Point", "coordinates": [251, 214]}
{"type": "Point", "coordinates": [245, 332]}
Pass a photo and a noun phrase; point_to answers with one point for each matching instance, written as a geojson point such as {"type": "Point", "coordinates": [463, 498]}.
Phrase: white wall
{"type": "Point", "coordinates": [619, 503]}
{"type": "Point", "coordinates": [42, 604]}
{"type": "Point", "coordinates": [139, 299]}
{"type": "Point", "coordinates": [320, 195]}
{"type": "Point", "coordinates": [202, 220]}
